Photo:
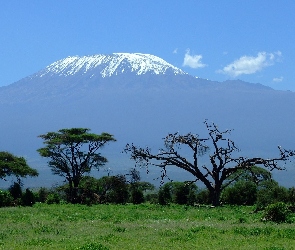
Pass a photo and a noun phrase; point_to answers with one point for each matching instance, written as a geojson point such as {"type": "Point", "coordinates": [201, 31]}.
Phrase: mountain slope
{"type": "Point", "coordinates": [140, 99]}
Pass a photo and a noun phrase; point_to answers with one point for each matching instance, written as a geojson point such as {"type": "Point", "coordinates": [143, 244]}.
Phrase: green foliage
{"type": "Point", "coordinates": [118, 193]}
{"type": "Point", "coordinates": [5, 199]}
{"type": "Point", "coordinates": [270, 192]}
{"type": "Point", "coordinates": [152, 198]}
{"type": "Point", "coordinates": [178, 192]}
{"type": "Point", "coordinates": [73, 153]}
{"type": "Point", "coordinates": [137, 196]}
{"type": "Point", "coordinates": [28, 198]}
{"type": "Point", "coordinates": [291, 195]}
{"type": "Point", "coordinates": [16, 166]}
{"type": "Point", "coordinates": [53, 198]}
{"type": "Point", "coordinates": [203, 197]}
{"type": "Point", "coordinates": [277, 212]}
{"type": "Point", "coordinates": [253, 174]}
{"type": "Point", "coordinates": [241, 193]}
{"type": "Point", "coordinates": [108, 189]}
{"type": "Point", "coordinates": [42, 194]}
{"type": "Point", "coordinates": [165, 196]}
{"type": "Point", "coordinates": [15, 190]}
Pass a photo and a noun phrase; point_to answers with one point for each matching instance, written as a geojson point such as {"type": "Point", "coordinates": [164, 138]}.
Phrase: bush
{"type": "Point", "coordinates": [53, 198]}
{"type": "Point", "coordinates": [164, 197]}
{"type": "Point", "coordinates": [241, 193]}
{"type": "Point", "coordinates": [6, 199]}
{"type": "Point", "coordinates": [271, 193]}
{"type": "Point", "coordinates": [291, 195]}
{"type": "Point", "coordinates": [15, 190]}
{"type": "Point", "coordinates": [137, 196]}
{"type": "Point", "coordinates": [118, 190]}
{"type": "Point", "coordinates": [42, 194]}
{"type": "Point", "coordinates": [203, 197]}
{"type": "Point", "coordinates": [277, 212]}
{"type": "Point", "coordinates": [28, 198]}
{"type": "Point", "coordinates": [182, 193]}
{"type": "Point", "coordinates": [152, 198]}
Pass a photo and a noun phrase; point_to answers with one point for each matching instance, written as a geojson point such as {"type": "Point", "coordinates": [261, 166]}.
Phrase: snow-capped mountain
{"type": "Point", "coordinates": [108, 65]}
{"type": "Point", "coordinates": [140, 98]}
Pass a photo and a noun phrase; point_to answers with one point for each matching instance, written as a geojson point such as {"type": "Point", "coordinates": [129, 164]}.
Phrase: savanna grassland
{"type": "Point", "coordinates": [145, 226]}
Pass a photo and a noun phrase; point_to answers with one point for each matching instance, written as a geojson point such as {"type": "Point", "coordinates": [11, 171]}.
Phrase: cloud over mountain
{"type": "Point", "coordinates": [250, 64]}
{"type": "Point", "coordinates": [193, 61]}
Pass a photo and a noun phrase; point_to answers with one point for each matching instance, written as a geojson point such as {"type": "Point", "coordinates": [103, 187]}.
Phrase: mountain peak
{"type": "Point", "coordinates": [112, 64]}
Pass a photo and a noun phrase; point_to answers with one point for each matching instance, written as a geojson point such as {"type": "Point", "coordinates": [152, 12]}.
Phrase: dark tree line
{"type": "Point", "coordinates": [74, 153]}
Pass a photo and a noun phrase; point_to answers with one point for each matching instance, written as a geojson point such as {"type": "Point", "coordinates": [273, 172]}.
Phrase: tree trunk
{"type": "Point", "coordinates": [73, 191]}
{"type": "Point", "coordinates": [75, 195]}
{"type": "Point", "coordinates": [215, 196]}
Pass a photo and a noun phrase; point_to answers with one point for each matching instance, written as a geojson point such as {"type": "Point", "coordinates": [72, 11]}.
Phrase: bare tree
{"type": "Point", "coordinates": [221, 156]}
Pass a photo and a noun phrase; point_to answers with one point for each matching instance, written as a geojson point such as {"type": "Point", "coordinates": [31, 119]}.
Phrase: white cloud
{"type": "Point", "coordinates": [193, 61]}
{"type": "Point", "coordinates": [278, 79]}
{"type": "Point", "coordinates": [250, 64]}
{"type": "Point", "coordinates": [175, 51]}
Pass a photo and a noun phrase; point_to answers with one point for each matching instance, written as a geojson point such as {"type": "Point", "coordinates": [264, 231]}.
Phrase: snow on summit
{"type": "Point", "coordinates": [113, 64]}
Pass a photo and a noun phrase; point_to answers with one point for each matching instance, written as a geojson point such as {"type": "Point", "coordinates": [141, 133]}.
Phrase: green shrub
{"type": "Point", "coordinates": [42, 194]}
{"type": "Point", "coordinates": [137, 196]}
{"type": "Point", "coordinates": [15, 190]}
{"type": "Point", "coordinates": [277, 212]}
{"type": "Point", "coordinates": [203, 197]}
{"type": "Point", "coordinates": [241, 193]}
{"type": "Point", "coordinates": [53, 198]}
{"type": "Point", "coordinates": [165, 197]}
{"type": "Point", "coordinates": [152, 198]}
{"type": "Point", "coordinates": [118, 193]}
{"type": "Point", "coordinates": [271, 193]}
{"type": "Point", "coordinates": [6, 199]}
{"type": "Point", "coordinates": [182, 193]}
{"type": "Point", "coordinates": [28, 198]}
{"type": "Point", "coordinates": [291, 195]}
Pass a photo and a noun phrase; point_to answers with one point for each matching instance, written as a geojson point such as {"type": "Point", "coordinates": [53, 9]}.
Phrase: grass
{"type": "Point", "coordinates": [143, 226]}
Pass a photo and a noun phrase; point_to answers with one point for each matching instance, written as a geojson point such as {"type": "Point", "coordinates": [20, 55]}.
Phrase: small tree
{"type": "Point", "coordinates": [118, 193]}
{"type": "Point", "coordinates": [136, 193]}
{"type": "Point", "coordinates": [28, 198]}
{"type": "Point", "coordinates": [11, 165]}
{"type": "Point", "coordinates": [73, 153]}
{"type": "Point", "coordinates": [223, 162]}
{"type": "Point", "coordinates": [15, 190]}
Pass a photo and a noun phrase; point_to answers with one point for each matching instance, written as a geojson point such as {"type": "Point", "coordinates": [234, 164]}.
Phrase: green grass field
{"type": "Point", "coordinates": [143, 226]}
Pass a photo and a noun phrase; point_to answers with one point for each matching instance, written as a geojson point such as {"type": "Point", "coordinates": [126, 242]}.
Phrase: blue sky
{"type": "Point", "coordinates": [250, 40]}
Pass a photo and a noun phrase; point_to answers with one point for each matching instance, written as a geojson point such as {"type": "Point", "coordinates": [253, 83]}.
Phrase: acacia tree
{"type": "Point", "coordinates": [73, 153]}
{"type": "Point", "coordinates": [223, 162]}
{"type": "Point", "coordinates": [14, 165]}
